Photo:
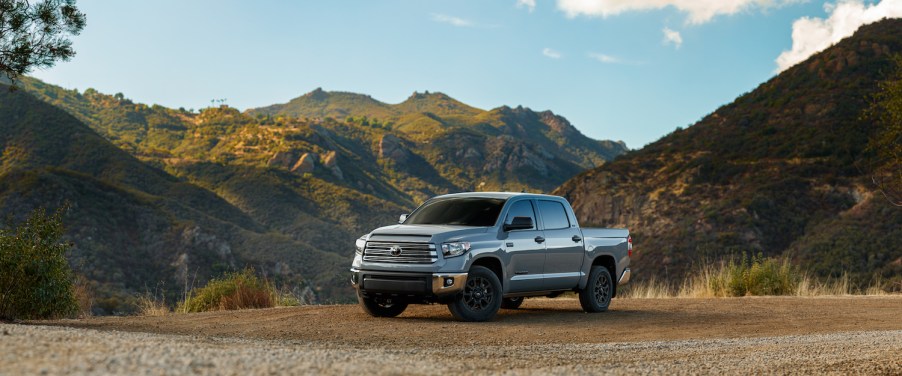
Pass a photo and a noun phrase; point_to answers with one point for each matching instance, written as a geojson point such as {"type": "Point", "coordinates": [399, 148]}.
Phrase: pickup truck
{"type": "Point", "coordinates": [479, 252]}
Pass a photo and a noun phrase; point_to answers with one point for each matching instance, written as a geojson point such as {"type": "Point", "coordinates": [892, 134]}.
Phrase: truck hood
{"type": "Point", "coordinates": [424, 233]}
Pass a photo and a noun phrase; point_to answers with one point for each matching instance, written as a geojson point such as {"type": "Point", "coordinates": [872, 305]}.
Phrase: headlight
{"type": "Point", "coordinates": [360, 244]}
{"type": "Point", "coordinates": [455, 248]}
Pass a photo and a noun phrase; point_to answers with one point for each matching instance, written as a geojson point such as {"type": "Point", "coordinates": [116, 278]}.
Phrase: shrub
{"type": "Point", "coordinates": [239, 290]}
{"type": "Point", "coordinates": [35, 277]}
{"type": "Point", "coordinates": [755, 276]}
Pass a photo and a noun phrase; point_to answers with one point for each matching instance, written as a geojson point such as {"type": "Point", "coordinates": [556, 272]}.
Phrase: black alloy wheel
{"type": "Point", "coordinates": [596, 297]}
{"type": "Point", "coordinates": [480, 298]}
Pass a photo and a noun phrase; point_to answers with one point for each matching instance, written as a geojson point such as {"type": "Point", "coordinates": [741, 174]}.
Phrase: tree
{"type": "Point", "coordinates": [35, 277]}
{"type": "Point", "coordinates": [34, 34]}
{"type": "Point", "coordinates": [886, 143]}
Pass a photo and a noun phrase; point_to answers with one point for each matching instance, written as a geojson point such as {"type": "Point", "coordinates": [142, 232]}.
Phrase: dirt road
{"type": "Point", "coordinates": [807, 335]}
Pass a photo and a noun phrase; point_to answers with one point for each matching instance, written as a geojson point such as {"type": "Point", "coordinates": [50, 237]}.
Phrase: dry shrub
{"type": "Point", "coordinates": [152, 304]}
{"type": "Point", "coordinates": [239, 290]}
{"type": "Point", "coordinates": [84, 296]}
{"type": "Point", "coordinates": [756, 276]}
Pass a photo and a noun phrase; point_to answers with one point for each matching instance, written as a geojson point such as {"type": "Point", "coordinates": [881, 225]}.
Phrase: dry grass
{"type": "Point", "coordinates": [84, 296]}
{"type": "Point", "coordinates": [149, 305]}
{"type": "Point", "coordinates": [751, 277]}
{"type": "Point", "coordinates": [242, 290]}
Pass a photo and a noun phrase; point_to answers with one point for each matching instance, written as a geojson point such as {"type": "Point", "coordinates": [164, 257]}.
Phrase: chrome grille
{"type": "Point", "coordinates": [411, 253]}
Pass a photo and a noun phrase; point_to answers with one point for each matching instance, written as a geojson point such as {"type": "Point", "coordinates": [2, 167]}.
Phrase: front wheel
{"type": "Point", "coordinates": [480, 298]}
{"type": "Point", "coordinates": [596, 297]}
{"type": "Point", "coordinates": [381, 307]}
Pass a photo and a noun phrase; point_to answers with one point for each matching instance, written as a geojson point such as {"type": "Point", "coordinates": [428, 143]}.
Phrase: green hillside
{"type": "Point", "coordinates": [777, 171]}
{"type": "Point", "coordinates": [135, 226]}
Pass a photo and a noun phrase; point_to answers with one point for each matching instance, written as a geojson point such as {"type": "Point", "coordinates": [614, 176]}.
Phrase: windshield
{"type": "Point", "coordinates": [469, 211]}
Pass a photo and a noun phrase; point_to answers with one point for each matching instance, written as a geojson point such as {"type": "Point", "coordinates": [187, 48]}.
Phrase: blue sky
{"type": "Point", "coordinates": [606, 65]}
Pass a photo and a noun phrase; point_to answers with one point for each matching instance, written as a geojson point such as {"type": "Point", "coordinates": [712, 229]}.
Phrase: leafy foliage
{"type": "Point", "coordinates": [33, 34]}
{"type": "Point", "coordinates": [35, 278]}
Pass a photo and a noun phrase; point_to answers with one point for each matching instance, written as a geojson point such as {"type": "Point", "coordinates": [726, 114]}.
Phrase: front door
{"type": "Point", "coordinates": [527, 256]}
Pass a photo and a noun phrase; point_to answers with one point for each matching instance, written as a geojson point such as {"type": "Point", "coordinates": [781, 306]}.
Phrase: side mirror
{"type": "Point", "coordinates": [402, 218]}
{"type": "Point", "coordinates": [519, 223]}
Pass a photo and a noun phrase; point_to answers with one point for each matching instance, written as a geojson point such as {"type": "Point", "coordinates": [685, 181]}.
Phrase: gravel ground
{"type": "Point", "coordinates": [59, 350]}
{"type": "Point", "coordinates": [775, 335]}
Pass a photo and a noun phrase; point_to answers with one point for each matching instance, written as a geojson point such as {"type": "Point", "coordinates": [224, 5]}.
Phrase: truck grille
{"type": "Point", "coordinates": [410, 253]}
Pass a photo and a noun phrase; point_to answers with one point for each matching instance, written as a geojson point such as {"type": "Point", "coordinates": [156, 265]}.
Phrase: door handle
{"type": "Point", "coordinates": [540, 239]}
{"type": "Point", "coordinates": [576, 238]}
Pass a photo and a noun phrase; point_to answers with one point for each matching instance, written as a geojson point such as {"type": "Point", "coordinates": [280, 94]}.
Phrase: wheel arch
{"type": "Point", "coordinates": [608, 262]}
{"type": "Point", "coordinates": [492, 264]}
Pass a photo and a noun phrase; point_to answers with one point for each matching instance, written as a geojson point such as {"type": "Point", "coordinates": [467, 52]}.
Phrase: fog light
{"type": "Point", "coordinates": [449, 282]}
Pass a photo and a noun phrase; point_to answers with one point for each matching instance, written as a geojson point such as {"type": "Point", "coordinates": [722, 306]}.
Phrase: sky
{"type": "Point", "coordinates": [630, 70]}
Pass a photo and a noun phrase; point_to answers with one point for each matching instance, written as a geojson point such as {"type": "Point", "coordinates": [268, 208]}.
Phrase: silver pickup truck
{"type": "Point", "coordinates": [478, 252]}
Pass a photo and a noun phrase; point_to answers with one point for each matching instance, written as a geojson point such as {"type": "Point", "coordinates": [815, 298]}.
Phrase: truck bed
{"type": "Point", "coordinates": [597, 232]}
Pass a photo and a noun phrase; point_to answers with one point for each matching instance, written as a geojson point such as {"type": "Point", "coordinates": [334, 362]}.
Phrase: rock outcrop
{"type": "Point", "coordinates": [305, 164]}
{"type": "Point", "coordinates": [393, 148]}
{"type": "Point", "coordinates": [330, 161]}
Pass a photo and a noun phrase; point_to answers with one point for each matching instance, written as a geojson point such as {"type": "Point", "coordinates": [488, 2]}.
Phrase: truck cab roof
{"type": "Point", "coordinates": [501, 195]}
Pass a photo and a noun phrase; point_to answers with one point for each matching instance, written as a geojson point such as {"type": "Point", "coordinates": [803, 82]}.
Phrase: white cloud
{"type": "Point", "coordinates": [551, 53]}
{"type": "Point", "coordinates": [811, 35]}
{"type": "Point", "coordinates": [698, 11]}
{"type": "Point", "coordinates": [451, 20]}
{"type": "Point", "coordinates": [528, 4]}
{"type": "Point", "coordinates": [607, 59]}
{"type": "Point", "coordinates": [672, 37]}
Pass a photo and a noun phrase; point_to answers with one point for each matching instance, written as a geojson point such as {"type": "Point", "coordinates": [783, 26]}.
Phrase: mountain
{"type": "Point", "coordinates": [285, 194]}
{"type": "Point", "coordinates": [435, 118]}
{"type": "Point", "coordinates": [427, 145]}
{"type": "Point", "coordinates": [778, 172]}
{"type": "Point", "coordinates": [135, 227]}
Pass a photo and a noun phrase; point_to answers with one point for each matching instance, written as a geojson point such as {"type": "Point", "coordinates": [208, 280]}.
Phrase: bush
{"type": "Point", "coordinates": [239, 290]}
{"type": "Point", "coordinates": [755, 276]}
{"type": "Point", "coordinates": [35, 277]}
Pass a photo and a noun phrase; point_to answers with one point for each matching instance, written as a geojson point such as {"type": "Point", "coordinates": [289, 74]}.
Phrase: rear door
{"type": "Point", "coordinates": [527, 256]}
{"type": "Point", "coordinates": [564, 250]}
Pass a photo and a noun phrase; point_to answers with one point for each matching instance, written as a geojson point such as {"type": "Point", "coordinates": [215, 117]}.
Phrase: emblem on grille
{"type": "Point", "coordinates": [395, 250]}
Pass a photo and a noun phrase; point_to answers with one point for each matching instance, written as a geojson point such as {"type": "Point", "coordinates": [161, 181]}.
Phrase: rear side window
{"type": "Point", "coordinates": [553, 214]}
{"type": "Point", "coordinates": [521, 209]}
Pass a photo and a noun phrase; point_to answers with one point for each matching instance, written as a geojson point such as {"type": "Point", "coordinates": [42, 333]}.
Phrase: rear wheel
{"type": "Point", "coordinates": [596, 297]}
{"type": "Point", "coordinates": [512, 303]}
{"type": "Point", "coordinates": [381, 307]}
{"type": "Point", "coordinates": [480, 298]}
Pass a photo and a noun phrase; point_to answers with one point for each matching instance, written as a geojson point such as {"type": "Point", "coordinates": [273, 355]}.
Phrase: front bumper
{"type": "Point", "coordinates": [407, 283]}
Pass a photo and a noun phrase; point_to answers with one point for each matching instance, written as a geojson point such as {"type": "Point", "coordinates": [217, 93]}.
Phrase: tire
{"type": "Point", "coordinates": [596, 297]}
{"type": "Point", "coordinates": [512, 303]}
{"type": "Point", "coordinates": [480, 298]}
{"type": "Point", "coordinates": [381, 307]}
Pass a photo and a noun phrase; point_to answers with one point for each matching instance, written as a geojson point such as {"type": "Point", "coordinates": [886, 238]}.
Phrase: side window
{"type": "Point", "coordinates": [521, 209]}
{"type": "Point", "coordinates": [553, 215]}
